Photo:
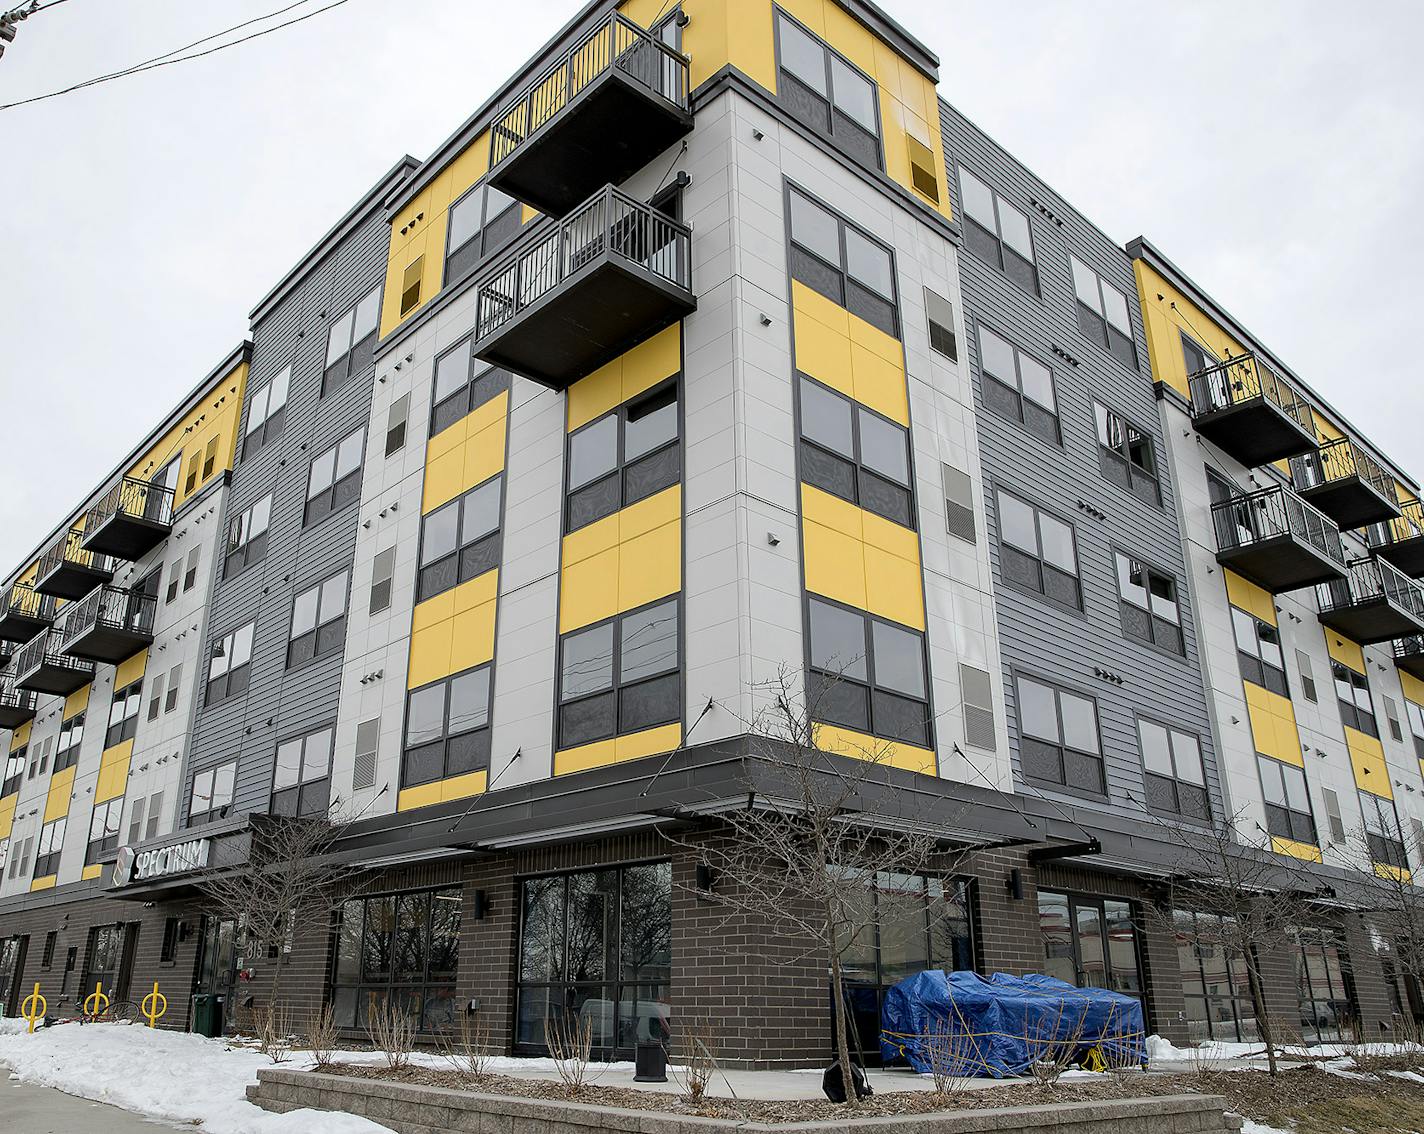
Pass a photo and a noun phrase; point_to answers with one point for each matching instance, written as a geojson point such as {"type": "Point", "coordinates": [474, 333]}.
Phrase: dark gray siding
{"type": "Point", "coordinates": [1037, 637]}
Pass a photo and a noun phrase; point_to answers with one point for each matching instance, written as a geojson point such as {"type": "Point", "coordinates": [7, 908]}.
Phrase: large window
{"type": "Point", "coordinates": [998, 231]}
{"type": "Point", "coordinates": [447, 728]}
{"type": "Point", "coordinates": [1149, 604]}
{"type": "Point", "coordinates": [595, 950]}
{"type": "Point", "coordinates": [1103, 313]}
{"type": "Point", "coordinates": [843, 264]}
{"type": "Point", "coordinates": [1175, 776]}
{"type": "Point", "coordinates": [318, 620]}
{"type": "Point", "coordinates": [828, 93]}
{"type": "Point", "coordinates": [51, 844]}
{"type": "Point", "coordinates": [1382, 833]}
{"type": "Point", "coordinates": [1059, 741]}
{"type": "Point", "coordinates": [1258, 650]}
{"type": "Point", "coordinates": [621, 675]}
{"type": "Point", "coordinates": [1288, 813]}
{"type": "Point", "coordinates": [1017, 386]}
{"type": "Point", "coordinates": [230, 665]}
{"type": "Point", "coordinates": [867, 674]}
{"type": "Point", "coordinates": [335, 478]}
{"type": "Point", "coordinates": [301, 783]}
{"type": "Point", "coordinates": [247, 537]}
{"type": "Point", "coordinates": [1038, 551]}
{"type": "Point", "coordinates": [1325, 985]}
{"type": "Point", "coordinates": [402, 950]}
{"type": "Point", "coordinates": [14, 771]}
{"type": "Point", "coordinates": [351, 341]}
{"type": "Point", "coordinates": [1126, 456]}
{"type": "Point", "coordinates": [71, 736]}
{"type": "Point", "coordinates": [1412, 712]}
{"type": "Point", "coordinates": [462, 384]}
{"type": "Point", "coordinates": [266, 414]}
{"type": "Point", "coordinates": [624, 456]}
{"type": "Point", "coordinates": [481, 221]}
{"type": "Point", "coordinates": [104, 831]}
{"type": "Point", "coordinates": [1352, 691]}
{"type": "Point", "coordinates": [123, 713]}
{"type": "Point", "coordinates": [1216, 982]}
{"type": "Point", "coordinates": [460, 540]}
{"type": "Point", "coordinates": [212, 793]}
{"type": "Point", "coordinates": [854, 453]}
{"type": "Point", "coordinates": [1090, 942]}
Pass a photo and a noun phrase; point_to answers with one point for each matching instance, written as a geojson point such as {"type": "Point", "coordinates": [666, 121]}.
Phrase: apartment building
{"type": "Point", "coordinates": [715, 355]}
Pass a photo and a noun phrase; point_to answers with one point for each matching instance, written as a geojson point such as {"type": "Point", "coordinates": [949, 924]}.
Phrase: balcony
{"type": "Point", "coordinates": [1409, 655]}
{"type": "Point", "coordinates": [68, 571]}
{"type": "Point", "coordinates": [24, 612]}
{"type": "Point", "coordinates": [1346, 483]}
{"type": "Point", "coordinates": [604, 109]}
{"type": "Point", "coordinates": [16, 705]}
{"type": "Point", "coordinates": [1375, 602]}
{"type": "Point", "coordinates": [133, 519]}
{"type": "Point", "coordinates": [1249, 411]}
{"type": "Point", "coordinates": [1401, 540]}
{"type": "Point", "coordinates": [41, 666]}
{"type": "Point", "coordinates": [108, 625]}
{"type": "Point", "coordinates": [572, 295]}
{"type": "Point", "coordinates": [1277, 540]}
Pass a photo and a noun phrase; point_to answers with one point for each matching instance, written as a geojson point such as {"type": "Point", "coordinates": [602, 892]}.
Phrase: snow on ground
{"type": "Point", "coordinates": [1160, 1050]}
{"type": "Point", "coordinates": [13, 1025]}
{"type": "Point", "coordinates": [170, 1075]}
{"type": "Point", "coordinates": [1249, 1127]}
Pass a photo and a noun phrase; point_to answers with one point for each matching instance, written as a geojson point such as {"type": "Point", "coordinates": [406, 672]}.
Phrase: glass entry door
{"type": "Point", "coordinates": [12, 968]}
{"type": "Point", "coordinates": [217, 962]}
{"type": "Point", "coordinates": [1090, 942]}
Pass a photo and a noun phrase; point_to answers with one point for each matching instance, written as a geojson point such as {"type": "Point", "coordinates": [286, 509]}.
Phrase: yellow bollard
{"type": "Point", "coordinates": [97, 999]}
{"type": "Point", "coordinates": [154, 1005]}
{"type": "Point", "coordinates": [34, 1007]}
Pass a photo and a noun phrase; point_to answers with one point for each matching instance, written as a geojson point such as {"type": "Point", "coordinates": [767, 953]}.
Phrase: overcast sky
{"type": "Point", "coordinates": [1272, 148]}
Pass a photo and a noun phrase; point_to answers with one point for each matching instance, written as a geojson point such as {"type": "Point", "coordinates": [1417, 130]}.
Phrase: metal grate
{"type": "Point", "coordinates": [958, 502]}
{"type": "Point", "coordinates": [976, 689]}
{"type": "Point", "coordinates": [367, 741]}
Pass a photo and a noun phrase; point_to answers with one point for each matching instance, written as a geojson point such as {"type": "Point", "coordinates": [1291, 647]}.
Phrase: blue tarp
{"type": "Point", "coordinates": [1001, 1025]}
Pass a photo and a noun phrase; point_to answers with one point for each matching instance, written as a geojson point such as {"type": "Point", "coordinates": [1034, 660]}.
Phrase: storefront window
{"type": "Point", "coordinates": [596, 951]}
{"type": "Point", "coordinates": [402, 949]}
{"type": "Point", "coordinates": [1090, 942]}
{"type": "Point", "coordinates": [1326, 987]}
{"type": "Point", "coordinates": [1215, 981]}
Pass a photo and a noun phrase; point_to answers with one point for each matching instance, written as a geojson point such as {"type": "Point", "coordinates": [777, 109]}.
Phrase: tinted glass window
{"type": "Point", "coordinates": [899, 660]}
{"type": "Point", "coordinates": [588, 661]}
{"type": "Point", "coordinates": [593, 451]}
{"type": "Point", "coordinates": [649, 642]}
{"type": "Point", "coordinates": [837, 640]}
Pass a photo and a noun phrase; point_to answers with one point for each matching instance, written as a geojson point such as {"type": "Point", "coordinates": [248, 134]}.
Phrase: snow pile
{"type": "Point", "coordinates": [13, 1026]}
{"type": "Point", "coordinates": [169, 1075]}
{"type": "Point", "coordinates": [1249, 1127]}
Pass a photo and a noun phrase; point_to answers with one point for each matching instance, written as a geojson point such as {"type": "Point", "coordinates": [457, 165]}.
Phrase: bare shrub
{"type": "Point", "coordinates": [1119, 1047]}
{"type": "Point", "coordinates": [954, 1053]}
{"type": "Point", "coordinates": [470, 1053]}
{"type": "Point", "coordinates": [274, 1031]}
{"type": "Point", "coordinates": [570, 1043]}
{"type": "Point", "coordinates": [1053, 1041]}
{"type": "Point", "coordinates": [696, 1067]}
{"type": "Point", "coordinates": [1205, 1059]}
{"type": "Point", "coordinates": [392, 1033]}
{"type": "Point", "coordinates": [322, 1036]}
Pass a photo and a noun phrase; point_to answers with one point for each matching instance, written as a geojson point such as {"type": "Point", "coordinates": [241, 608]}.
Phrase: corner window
{"type": "Point", "coordinates": [301, 783]}
{"type": "Point", "coordinates": [1059, 740]}
{"type": "Point", "coordinates": [104, 831]}
{"type": "Point", "coordinates": [1038, 551]}
{"type": "Point", "coordinates": [247, 537]}
{"type": "Point", "coordinates": [843, 264]}
{"type": "Point", "coordinates": [1258, 649]}
{"type": "Point", "coordinates": [335, 478]}
{"type": "Point", "coordinates": [212, 792]}
{"type": "Point", "coordinates": [1149, 604]}
{"type": "Point", "coordinates": [1126, 456]}
{"type": "Point", "coordinates": [460, 540]}
{"type": "Point", "coordinates": [997, 231]}
{"type": "Point", "coordinates": [48, 852]}
{"type": "Point", "coordinates": [123, 714]}
{"type": "Point", "coordinates": [829, 94]}
{"type": "Point", "coordinates": [1287, 802]}
{"type": "Point", "coordinates": [621, 675]}
{"type": "Point", "coordinates": [1382, 832]}
{"type": "Point", "coordinates": [1175, 776]}
{"type": "Point", "coordinates": [867, 674]}
{"type": "Point", "coordinates": [1352, 692]}
{"type": "Point", "coordinates": [229, 665]}
{"type": "Point", "coordinates": [1103, 313]}
{"type": "Point", "coordinates": [447, 728]}
{"type": "Point", "coordinates": [71, 736]}
{"type": "Point", "coordinates": [266, 414]}
{"type": "Point", "coordinates": [351, 341]}
{"type": "Point", "coordinates": [481, 221]}
{"type": "Point", "coordinates": [1017, 386]}
{"type": "Point", "coordinates": [624, 456]}
{"type": "Point", "coordinates": [854, 453]}
{"type": "Point", "coordinates": [462, 385]}
{"type": "Point", "coordinates": [318, 620]}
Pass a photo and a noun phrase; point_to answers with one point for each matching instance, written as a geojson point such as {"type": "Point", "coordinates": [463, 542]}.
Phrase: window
{"type": "Point", "coordinates": [71, 736]}
{"type": "Point", "coordinates": [47, 957]}
{"type": "Point", "coordinates": [1103, 313]}
{"type": "Point", "coordinates": [318, 620]}
{"type": "Point", "coordinates": [1288, 814]}
{"type": "Point", "coordinates": [104, 831]}
{"type": "Point", "coordinates": [1194, 357]}
{"type": "Point", "coordinates": [1382, 833]}
{"type": "Point", "coordinates": [123, 713]}
{"type": "Point", "coordinates": [1090, 942]}
{"type": "Point", "coordinates": [1258, 649]}
{"type": "Point", "coordinates": [923, 168]}
{"type": "Point", "coordinates": [136, 821]}
{"type": "Point", "coordinates": [383, 568]}
{"type": "Point", "coordinates": [958, 503]}
{"type": "Point", "coordinates": [210, 458]}
{"type": "Point", "coordinates": [1307, 685]}
{"type": "Point", "coordinates": [1059, 741]}
{"type": "Point", "coordinates": [1325, 985]}
{"type": "Point", "coordinates": [212, 793]}
{"type": "Point", "coordinates": [155, 700]}
{"type": "Point", "coordinates": [1175, 776]}
{"type": "Point", "coordinates": [597, 943]}
{"type": "Point", "coordinates": [976, 690]}
{"type": "Point", "coordinates": [395, 424]}
{"type": "Point", "coordinates": [247, 537]}
{"type": "Point", "coordinates": [368, 743]}
{"type": "Point", "coordinates": [168, 950]}
{"type": "Point", "coordinates": [843, 264]}
{"type": "Point", "coordinates": [623, 457]}
{"type": "Point", "coordinates": [1352, 691]}
{"type": "Point", "coordinates": [335, 478]}
{"type": "Point", "coordinates": [1391, 714]}
{"type": "Point", "coordinates": [621, 675]}
{"type": "Point", "coordinates": [175, 576]}
{"type": "Point", "coordinates": [1149, 604]}
{"type": "Point", "coordinates": [229, 665]}
{"type": "Point", "coordinates": [481, 221]}
{"type": "Point", "coordinates": [398, 948]}
{"type": "Point", "coordinates": [51, 843]}
{"type": "Point", "coordinates": [998, 232]}
{"type": "Point", "coordinates": [351, 341]}
{"type": "Point", "coordinates": [1017, 386]}
{"type": "Point", "coordinates": [301, 784]}
{"type": "Point", "coordinates": [170, 700]}
{"type": "Point", "coordinates": [460, 540]}
{"type": "Point", "coordinates": [824, 91]}
{"type": "Point", "coordinates": [190, 571]}
{"type": "Point", "coordinates": [462, 384]}
{"type": "Point", "coordinates": [14, 772]}
{"type": "Point", "coordinates": [447, 728]}
{"type": "Point", "coordinates": [20, 861]}
{"type": "Point", "coordinates": [939, 313]}
{"type": "Point", "coordinates": [1413, 713]}
{"type": "Point", "coordinates": [410, 285]}
{"type": "Point", "coordinates": [266, 414]}
{"type": "Point", "coordinates": [1125, 455]}
{"type": "Point", "coordinates": [1334, 821]}
{"type": "Point", "coordinates": [1038, 551]}
{"type": "Point", "coordinates": [1216, 983]}
{"type": "Point", "coordinates": [854, 453]}
{"type": "Point", "coordinates": [191, 482]}
{"type": "Point", "coordinates": [155, 815]}
{"type": "Point", "coordinates": [867, 674]}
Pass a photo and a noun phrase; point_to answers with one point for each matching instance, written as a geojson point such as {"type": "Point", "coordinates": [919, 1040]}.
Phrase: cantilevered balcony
{"type": "Point", "coordinates": [43, 667]}
{"type": "Point", "coordinates": [68, 571]}
{"type": "Point", "coordinates": [7, 651]}
{"type": "Point", "coordinates": [1401, 540]}
{"type": "Point", "coordinates": [1277, 540]}
{"type": "Point", "coordinates": [1409, 655]}
{"type": "Point", "coordinates": [1251, 412]}
{"type": "Point", "coordinates": [604, 109]}
{"type": "Point", "coordinates": [1375, 602]}
{"type": "Point", "coordinates": [108, 625]}
{"type": "Point", "coordinates": [16, 705]}
{"type": "Point", "coordinates": [24, 612]}
{"type": "Point", "coordinates": [573, 294]}
{"type": "Point", "coordinates": [133, 519]}
{"type": "Point", "coordinates": [1346, 483]}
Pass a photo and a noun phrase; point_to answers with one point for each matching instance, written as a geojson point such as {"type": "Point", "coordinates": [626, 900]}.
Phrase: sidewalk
{"type": "Point", "coordinates": [43, 1110]}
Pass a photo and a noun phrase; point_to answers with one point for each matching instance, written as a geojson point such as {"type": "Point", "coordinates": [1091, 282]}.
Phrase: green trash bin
{"type": "Point", "coordinates": [207, 1015]}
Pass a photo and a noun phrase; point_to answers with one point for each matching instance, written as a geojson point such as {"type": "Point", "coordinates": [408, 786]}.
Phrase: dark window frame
{"type": "Point", "coordinates": [309, 795]}
{"type": "Point", "coordinates": [1254, 666]}
{"type": "Point", "coordinates": [327, 501]}
{"type": "Point", "coordinates": [1061, 748]}
{"type": "Point", "coordinates": [244, 546]}
{"type": "Point", "coordinates": [214, 810]}
{"type": "Point", "coordinates": [14, 770]}
{"type": "Point", "coordinates": [887, 320]}
{"type": "Point", "coordinates": [430, 579]}
{"type": "Point", "coordinates": [1015, 394]}
{"type": "Point", "coordinates": [233, 680]}
{"type": "Point", "coordinates": [126, 727]}
{"type": "Point", "coordinates": [47, 861]}
{"type": "Point", "coordinates": [1161, 633]}
{"type": "Point", "coordinates": [67, 744]}
{"type": "Point", "coordinates": [861, 474]}
{"type": "Point", "coordinates": [273, 423]}
{"type": "Point", "coordinates": [1197, 796]}
{"type": "Point", "coordinates": [481, 383]}
{"type": "Point", "coordinates": [476, 248]}
{"type": "Point", "coordinates": [978, 238]}
{"type": "Point", "coordinates": [1038, 557]}
{"type": "Point", "coordinates": [1282, 820]}
{"type": "Point", "coordinates": [1352, 715]}
{"type": "Point", "coordinates": [327, 635]}
{"type": "Point", "coordinates": [106, 845]}
{"type": "Point", "coordinates": [1120, 463]}
{"type": "Point", "coordinates": [850, 127]}
{"type": "Point", "coordinates": [622, 467]}
{"type": "Point", "coordinates": [358, 353]}
{"type": "Point", "coordinates": [1385, 838]}
{"type": "Point", "coordinates": [477, 738]}
{"type": "Point", "coordinates": [1125, 351]}
{"type": "Point", "coordinates": [1234, 1007]}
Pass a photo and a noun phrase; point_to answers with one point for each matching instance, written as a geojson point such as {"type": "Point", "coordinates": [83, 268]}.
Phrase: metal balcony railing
{"type": "Point", "coordinates": [1270, 514]}
{"type": "Point", "coordinates": [16, 705]}
{"type": "Point", "coordinates": [1338, 460]}
{"type": "Point", "coordinates": [1409, 649]}
{"type": "Point", "coordinates": [608, 222]}
{"type": "Point", "coordinates": [44, 652]}
{"type": "Point", "coordinates": [69, 550]}
{"type": "Point", "coordinates": [135, 499]}
{"type": "Point", "coordinates": [616, 43]}
{"type": "Point", "coordinates": [23, 601]}
{"type": "Point", "coordinates": [1408, 525]}
{"type": "Point", "coordinates": [1368, 581]}
{"type": "Point", "coordinates": [1244, 379]}
{"type": "Point", "coordinates": [112, 609]}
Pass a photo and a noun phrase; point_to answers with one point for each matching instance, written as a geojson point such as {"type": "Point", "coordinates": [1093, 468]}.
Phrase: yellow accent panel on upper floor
{"type": "Point", "coordinates": [1368, 764]}
{"type": "Point", "coordinates": [1303, 851]}
{"type": "Point", "coordinates": [848, 354]}
{"type": "Point", "coordinates": [216, 416]}
{"type": "Point", "coordinates": [1344, 651]}
{"type": "Point", "coordinates": [618, 749]}
{"type": "Point", "coordinates": [468, 453]}
{"type": "Point", "coordinates": [1249, 597]}
{"type": "Point", "coordinates": [861, 559]}
{"type": "Point", "coordinates": [7, 814]}
{"type": "Point", "coordinates": [1169, 318]}
{"type": "Point", "coordinates": [1273, 727]}
{"type": "Point", "coordinates": [113, 772]}
{"type": "Point", "coordinates": [1398, 874]}
{"type": "Point", "coordinates": [622, 561]}
{"type": "Point", "coordinates": [861, 746]}
{"type": "Point", "coordinates": [130, 669]}
{"type": "Point", "coordinates": [92, 871]}
{"type": "Point", "coordinates": [61, 787]}
{"type": "Point", "coordinates": [21, 735]}
{"type": "Point", "coordinates": [1412, 686]}
{"type": "Point", "coordinates": [45, 883]}
{"type": "Point", "coordinates": [625, 377]}
{"type": "Point", "coordinates": [77, 701]}
{"type": "Point", "coordinates": [442, 791]}
{"type": "Point", "coordinates": [454, 631]}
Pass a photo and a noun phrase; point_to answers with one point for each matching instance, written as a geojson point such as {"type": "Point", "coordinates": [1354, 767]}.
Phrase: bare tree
{"type": "Point", "coordinates": [1389, 895]}
{"type": "Point", "coordinates": [802, 858]}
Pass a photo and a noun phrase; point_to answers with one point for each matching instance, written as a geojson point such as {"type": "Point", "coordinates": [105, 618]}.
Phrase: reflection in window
{"type": "Point", "coordinates": [1039, 551]}
{"type": "Point", "coordinates": [1258, 650]}
{"type": "Point", "coordinates": [828, 94]}
{"type": "Point", "coordinates": [1125, 455]}
{"type": "Point", "coordinates": [1059, 740]}
{"type": "Point", "coordinates": [997, 231]}
{"type": "Point", "coordinates": [854, 453]}
{"type": "Point", "coordinates": [460, 540]}
{"type": "Point", "coordinates": [1149, 604]}
{"type": "Point", "coordinates": [843, 264]}
{"type": "Point", "coordinates": [620, 676]}
{"type": "Point", "coordinates": [624, 456]}
{"type": "Point", "coordinates": [867, 674]}
{"type": "Point", "coordinates": [1176, 778]}
{"type": "Point", "coordinates": [1103, 313]}
{"type": "Point", "coordinates": [447, 728]}
{"type": "Point", "coordinates": [1017, 386]}
{"type": "Point", "coordinates": [1215, 982]}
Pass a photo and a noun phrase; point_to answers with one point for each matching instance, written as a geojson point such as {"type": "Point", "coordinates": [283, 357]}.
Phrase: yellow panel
{"type": "Point", "coordinates": [45, 883]}
{"type": "Point", "coordinates": [1168, 314]}
{"type": "Point", "coordinates": [618, 749]}
{"type": "Point", "coordinates": [860, 746]}
{"type": "Point", "coordinates": [848, 354]}
{"type": "Point", "coordinates": [1412, 686]}
{"type": "Point", "coordinates": [7, 814]}
{"type": "Point", "coordinates": [1384, 870]}
{"type": "Point", "coordinates": [1273, 727]}
{"type": "Point", "coordinates": [861, 559]}
{"type": "Point", "coordinates": [442, 791]}
{"type": "Point", "coordinates": [61, 786]}
{"type": "Point", "coordinates": [1303, 851]}
{"type": "Point", "coordinates": [1367, 762]}
{"type": "Point", "coordinates": [113, 772]}
{"type": "Point", "coordinates": [1249, 597]}
{"type": "Point", "coordinates": [92, 871]}
{"type": "Point", "coordinates": [625, 377]}
{"type": "Point", "coordinates": [21, 736]}
{"type": "Point", "coordinates": [622, 561]}
{"type": "Point", "coordinates": [77, 701]}
{"type": "Point", "coordinates": [130, 670]}
{"type": "Point", "coordinates": [468, 453]}
{"type": "Point", "coordinates": [1344, 651]}
{"type": "Point", "coordinates": [454, 631]}
{"type": "Point", "coordinates": [215, 417]}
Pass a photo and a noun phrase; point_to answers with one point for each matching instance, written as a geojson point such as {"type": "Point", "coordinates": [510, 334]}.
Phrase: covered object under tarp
{"type": "Point", "coordinates": [1000, 1026]}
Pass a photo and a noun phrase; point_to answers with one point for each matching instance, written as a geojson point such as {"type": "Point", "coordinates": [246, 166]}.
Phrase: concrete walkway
{"type": "Point", "coordinates": [43, 1110]}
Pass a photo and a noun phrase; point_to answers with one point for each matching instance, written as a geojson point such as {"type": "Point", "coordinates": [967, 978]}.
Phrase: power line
{"type": "Point", "coordinates": [176, 56]}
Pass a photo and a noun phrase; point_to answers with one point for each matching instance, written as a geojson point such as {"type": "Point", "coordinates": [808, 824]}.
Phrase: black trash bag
{"type": "Point", "coordinates": [833, 1083]}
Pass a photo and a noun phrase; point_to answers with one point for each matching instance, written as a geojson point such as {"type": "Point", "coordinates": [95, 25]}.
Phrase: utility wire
{"type": "Point", "coordinates": [176, 56]}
